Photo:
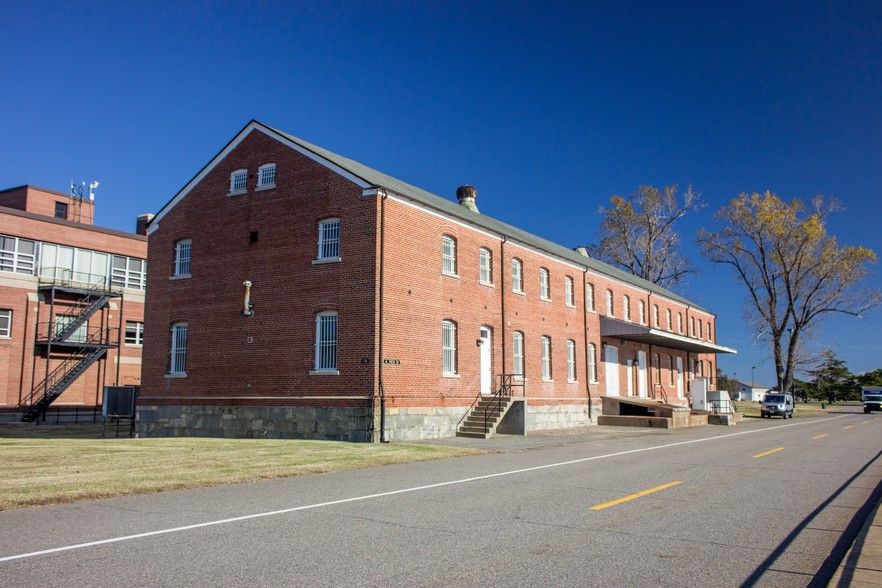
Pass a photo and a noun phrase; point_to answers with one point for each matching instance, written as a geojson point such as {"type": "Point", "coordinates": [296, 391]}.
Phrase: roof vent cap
{"type": "Point", "coordinates": [466, 195]}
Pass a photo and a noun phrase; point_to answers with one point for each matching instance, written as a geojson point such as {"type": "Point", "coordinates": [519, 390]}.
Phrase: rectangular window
{"type": "Point", "coordinates": [671, 370]}
{"type": "Point", "coordinates": [668, 320]}
{"type": "Point", "coordinates": [179, 349]}
{"type": "Point", "coordinates": [5, 323]}
{"type": "Point", "coordinates": [326, 342]}
{"type": "Point", "coordinates": [589, 296]}
{"type": "Point", "coordinates": [546, 358]}
{"type": "Point", "coordinates": [183, 250]}
{"type": "Point", "coordinates": [448, 255]}
{"type": "Point", "coordinates": [517, 284]}
{"type": "Point", "coordinates": [79, 335]}
{"type": "Point", "coordinates": [610, 311]}
{"type": "Point", "coordinates": [237, 180]}
{"type": "Point", "coordinates": [592, 362]}
{"type": "Point", "coordinates": [626, 308]}
{"type": "Point", "coordinates": [486, 267]}
{"type": "Point", "coordinates": [448, 347]}
{"type": "Point", "coordinates": [543, 284]}
{"type": "Point", "coordinates": [571, 361]}
{"type": "Point", "coordinates": [17, 255]}
{"type": "Point", "coordinates": [129, 272]}
{"type": "Point", "coordinates": [518, 352]}
{"type": "Point", "coordinates": [329, 239]}
{"type": "Point", "coordinates": [134, 333]}
{"type": "Point", "coordinates": [568, 291]}
{"type": "Point", "coordinates": [655, 315]}
{"type": "Point", "coordinates": [266, 176]}
{"type": "Point", "coordinates": [61, 210]}
{"type": "Point", "coordinates": [680, 322]}
{"type": "Point", "coordinates": [642, 313]}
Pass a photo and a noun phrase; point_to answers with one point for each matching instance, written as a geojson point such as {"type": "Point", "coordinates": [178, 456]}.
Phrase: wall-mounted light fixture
{"type": "Point", "coordinates": [246, 308]}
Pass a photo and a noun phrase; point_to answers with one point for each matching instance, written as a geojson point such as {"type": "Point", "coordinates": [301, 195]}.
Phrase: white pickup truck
{"type": "Point", "coordinates": [872, 398]}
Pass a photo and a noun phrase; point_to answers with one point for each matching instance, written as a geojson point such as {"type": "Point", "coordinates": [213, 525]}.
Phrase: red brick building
{"type": "Point", "coordinates": [71, 303]}
{"type": "Point", "coordinates": [297, 293]}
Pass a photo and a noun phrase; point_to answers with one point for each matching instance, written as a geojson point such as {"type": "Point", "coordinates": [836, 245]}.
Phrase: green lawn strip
{"type": "Point", "coordinates": [801, 409]}
{"type": "Point", "coordinates": [41, 470]}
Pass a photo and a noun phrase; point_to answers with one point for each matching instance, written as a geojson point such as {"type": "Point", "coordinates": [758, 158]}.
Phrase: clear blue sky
{"type": "Point", "coordinates": [547, 108]}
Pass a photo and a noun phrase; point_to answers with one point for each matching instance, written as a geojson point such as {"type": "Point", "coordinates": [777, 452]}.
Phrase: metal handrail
{"type": "Point", "coordinates": [506, 385]}
{"type": "Point", "coordinates": [659, 388]}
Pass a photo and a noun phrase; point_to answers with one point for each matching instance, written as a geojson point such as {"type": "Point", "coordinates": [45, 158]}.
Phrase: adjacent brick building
{"type": "Point", "coordinates": [71, 303]}
{"type": "Point", "coordinates": [297, 293]}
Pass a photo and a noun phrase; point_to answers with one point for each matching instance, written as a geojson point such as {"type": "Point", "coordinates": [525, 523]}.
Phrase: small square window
{"type": "Point", "coordinates": [134, 333]}
{"type": "Point", "coordinates": [61, 210]}
{"type": "Point", "coordinates": [5, 323]}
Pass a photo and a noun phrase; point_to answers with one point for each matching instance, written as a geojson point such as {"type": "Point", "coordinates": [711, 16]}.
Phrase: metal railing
{"type": "Point", "coordinates": [89, 336]}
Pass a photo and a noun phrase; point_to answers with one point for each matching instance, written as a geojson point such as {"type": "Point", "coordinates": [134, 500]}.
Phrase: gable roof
{"type": "Point", "coordinates": [366, 177]}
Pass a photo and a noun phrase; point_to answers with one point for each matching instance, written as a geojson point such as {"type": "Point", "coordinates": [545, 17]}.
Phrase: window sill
{"type": "Point", "coordinates": [175, 375]}
{"type": "Point", "coordinates": [179, 276]}
{"type": "Point", "coordinates": [488, 284]}
{"type": "Point", "coordinates": [449, 274]}
{"type": "Point", "coordinates": [262, 188]}
{"type": "Point", "coordinates": [591, 310]}
{"type": "Point", "coordinates": [568, 305]}
{"type": "Point", "coordinates": [548, 380]}
{"type": "Point", "coordinates": [321, 260]}
{"type": "Point", "coordinates": [127, 344]}
{"type": "Point", "coordinates": [237, 192]}
{"type": "Point", "coordinates": [544, 299]}
{"type": "Point", "coordinates": [572, 381]}
{"type": "Point", "coordinates": [324, 372]}
{"type": "Point", "coordinates": [450, 375]}
{"type": "Point", "coordinates": [519, 292]}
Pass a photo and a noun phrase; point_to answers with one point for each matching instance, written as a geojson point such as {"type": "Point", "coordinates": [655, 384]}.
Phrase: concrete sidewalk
{"type": "Point", "coordinates": [862, 565]}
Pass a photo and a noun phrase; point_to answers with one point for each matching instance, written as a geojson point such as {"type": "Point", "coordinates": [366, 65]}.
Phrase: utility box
{"type": "Point", "coordinates": [698, 388]}
{"type": "Point", "coordinates": [119, 402]}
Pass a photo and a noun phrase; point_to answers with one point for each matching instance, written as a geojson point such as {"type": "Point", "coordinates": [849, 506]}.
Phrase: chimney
{"type": "Point", "coordinates": [466, 196]}
{"type": "Point", "coordinates": [143, 219]}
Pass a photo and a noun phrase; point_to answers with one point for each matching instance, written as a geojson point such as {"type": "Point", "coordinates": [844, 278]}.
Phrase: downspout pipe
{"type": "Point", "coordinates": [585, 334]}
{"type": "Point", "coordinates": [380, 327]}
{"type": "Point", "coordinates": [502, 297]}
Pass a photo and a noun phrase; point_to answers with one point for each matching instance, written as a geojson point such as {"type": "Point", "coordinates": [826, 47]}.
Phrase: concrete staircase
{"type": "Point", "coordinates": [484, 417]}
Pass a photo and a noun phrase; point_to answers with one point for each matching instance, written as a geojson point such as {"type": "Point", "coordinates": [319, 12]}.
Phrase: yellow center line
{"type": "Point", "coordinates": [633, 496]}
{"type": "Point", "coordinates": [819, 436]}
{"type": "Point", "coordinates": [848, 427]}
{"type": "Point", "coordinates": [864, 422]}
{"type": "Point", "coordinates": [768, 452]}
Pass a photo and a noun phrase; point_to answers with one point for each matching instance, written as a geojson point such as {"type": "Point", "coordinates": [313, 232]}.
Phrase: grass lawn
{"type": "Point", "coordinates": [52, 464]}
{"type": "Point", "coordinates": [802, 409]}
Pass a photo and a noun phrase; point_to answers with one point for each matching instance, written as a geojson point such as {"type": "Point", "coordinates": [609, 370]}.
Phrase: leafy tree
{"type": "Point", "coordinates": [832, 379]}
{"type": "Point", "coordinates": [637, 234]}
{"type": "Point", "coordinates": [795, 273]}
{"type": "Point", "coordinates": [873, 378]}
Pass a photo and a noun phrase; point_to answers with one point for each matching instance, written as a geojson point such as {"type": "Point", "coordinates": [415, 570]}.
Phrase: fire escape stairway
{"type": "Point", "coordinates": [59, 379]}
{"type": "Point", "coordinates": [88, 350]}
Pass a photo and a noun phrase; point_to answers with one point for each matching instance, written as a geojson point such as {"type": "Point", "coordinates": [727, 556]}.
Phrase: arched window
{"type": "Point", "coordinates": [486, 264]}
{"type": "Point", "coordinates": [592, 362]}
{"type": "Point", "coordinates": [326, 341]}
{"type": "Point", "coordinates": [589, 296]}
{"type": "Point", "coordinates": [626, 308]}
{"type": "Point", "coordinates": [448, 347]}
{"type": "Point", "coordinates": [571, 360]}
{"type": "Point", "coordinates": [266, 176]}
{"type": "Point", "coordinates": [568, 291]}
{"type": "Point", "coordinates": [546, 357]}
{"type": "Point", "coordinates": [517, 276]}
{"type": "Point", "coordinates": [544, 292]}
{"type": "Point", "coordinates": [237, 180]}
{"type": "Point", "coordinates": [448, 255]}
{"type": "Point", "coordinates": [518, 353]}
{"type": "Point", "coordinates": [610, 311]}
{"type": "Point", "coordinates": [642, 312]}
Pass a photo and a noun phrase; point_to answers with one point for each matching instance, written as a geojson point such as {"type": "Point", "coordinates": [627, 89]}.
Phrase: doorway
{"type": "Point", "coordinates": [486, 360]}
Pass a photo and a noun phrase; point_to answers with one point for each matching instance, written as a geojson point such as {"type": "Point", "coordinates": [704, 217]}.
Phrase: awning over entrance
{"type": "Point", "coordinates": [610, 327]}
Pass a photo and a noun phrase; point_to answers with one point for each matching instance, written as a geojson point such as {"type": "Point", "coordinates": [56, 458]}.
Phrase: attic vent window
{"type": "Point", "coordinates": [237, 181]}
{"type": "Point", "coordinates": [266, 176]}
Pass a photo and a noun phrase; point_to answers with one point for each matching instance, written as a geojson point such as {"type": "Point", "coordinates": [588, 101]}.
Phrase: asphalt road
{"type": "Point", "coordinates": [767, 502]}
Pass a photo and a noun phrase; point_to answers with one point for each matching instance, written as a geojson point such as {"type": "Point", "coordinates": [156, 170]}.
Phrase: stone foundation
{"type": "Point", "coordinates": [558, 416]}
{"type": "Point", "coordinates": [255, 422]}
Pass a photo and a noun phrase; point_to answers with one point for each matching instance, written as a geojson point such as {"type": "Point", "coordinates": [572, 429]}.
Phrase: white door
{"type": "Point", "coordinates": [679, 377]}
{"type": "Point", "coordinates": [641, 374]}
{"type": "Point", "coordinates": [611, 359]}
{"type": "Point", "coordinates": [486, 358]}
{"type": "Point", "coordinates": [630, 376]}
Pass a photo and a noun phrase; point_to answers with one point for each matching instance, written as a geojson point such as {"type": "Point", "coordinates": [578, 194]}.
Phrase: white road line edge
{"type": "Point", "coordinates": [381, 494]}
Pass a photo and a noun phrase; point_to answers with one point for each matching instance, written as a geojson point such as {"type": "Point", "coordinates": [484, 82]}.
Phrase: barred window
{"type": "Point", "coordinates": [326, 342]}
{"type": "Point", "coordinates": [448, 347]}
{"type": "Point", "coordinates": [238, 179]}
{"type": "Point", "coordinates": [448, 255]}
{"type": "Point", "coordinates": [179, 349]}
{"type": "Point", "coordinates": [182, 257]}
{"type": "Point", "coordinates": [329, 239]}
{"type": "Point", "coordinates": [266, 176]}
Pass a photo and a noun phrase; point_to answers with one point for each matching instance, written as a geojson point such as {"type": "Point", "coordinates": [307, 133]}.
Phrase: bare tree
{"type": "Point", "coordinates": [637, 234]}
{"type": "Point", "coordinates": [795, 273]}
